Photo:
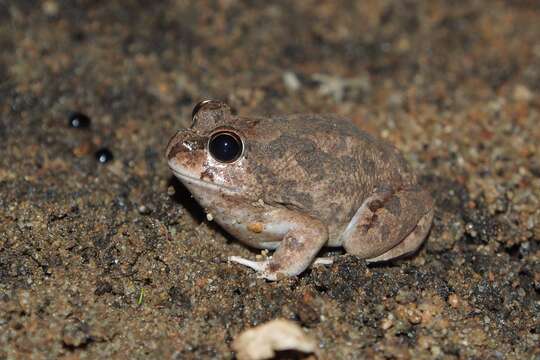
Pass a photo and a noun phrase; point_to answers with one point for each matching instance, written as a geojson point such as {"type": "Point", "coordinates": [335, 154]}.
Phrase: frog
{"type": "Point", "coordinates": [293, 184]}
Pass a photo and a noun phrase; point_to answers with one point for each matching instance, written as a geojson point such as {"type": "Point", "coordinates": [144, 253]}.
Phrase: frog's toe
{"type": "Point", "coordinates": [267, 275]}
{"type": "Point", "coordinates": [259, 266]}
{"type": "Point", "coordinates": [324, 261]}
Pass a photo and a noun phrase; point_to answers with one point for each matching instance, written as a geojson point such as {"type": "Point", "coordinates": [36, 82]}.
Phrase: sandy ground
{"type": "Point", "coordinates": [113, 260]}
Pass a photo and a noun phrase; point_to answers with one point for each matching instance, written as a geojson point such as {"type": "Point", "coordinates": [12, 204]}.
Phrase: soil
{"type": "Point", "coordinates": [113, 259]}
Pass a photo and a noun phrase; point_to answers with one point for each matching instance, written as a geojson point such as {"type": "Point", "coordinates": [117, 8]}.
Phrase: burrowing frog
{"type": "Point", "coordinates": [297, 183]}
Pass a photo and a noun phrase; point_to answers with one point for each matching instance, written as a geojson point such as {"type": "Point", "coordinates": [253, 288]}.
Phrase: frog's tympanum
{"type": "Point", "coordinates": [300, 182]}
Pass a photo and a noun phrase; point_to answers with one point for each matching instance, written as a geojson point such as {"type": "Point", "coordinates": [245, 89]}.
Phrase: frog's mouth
{"type": "Point", "coordinates": [206, 185]}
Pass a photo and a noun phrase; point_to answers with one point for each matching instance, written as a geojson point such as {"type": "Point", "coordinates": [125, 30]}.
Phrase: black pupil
{"type": "Point", "coordinates": [225, 147]}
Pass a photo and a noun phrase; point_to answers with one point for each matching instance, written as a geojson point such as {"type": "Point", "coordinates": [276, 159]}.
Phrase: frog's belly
{"type": "Point", "coordinates": [272, 234]}
{"type": "Point", "coordinates": [244, 220]}
{"type": "Point", "coordinates": [248, 232]}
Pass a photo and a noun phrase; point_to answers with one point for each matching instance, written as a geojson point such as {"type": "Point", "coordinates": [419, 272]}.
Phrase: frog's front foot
{"type": "Point", "coordinates": [261, 267]}
{"type": "Point", "coordinates": [324, 261]}
{"type": "Point", "coordinates": [296, 251]}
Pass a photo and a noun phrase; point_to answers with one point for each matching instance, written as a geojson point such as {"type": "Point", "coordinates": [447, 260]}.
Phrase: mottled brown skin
{"type": "Point", "coordinates": [302, 182]}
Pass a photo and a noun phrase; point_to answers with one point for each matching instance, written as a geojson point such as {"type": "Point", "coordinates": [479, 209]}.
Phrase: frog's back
{"type": "Point", "coordinates": [325, 166]}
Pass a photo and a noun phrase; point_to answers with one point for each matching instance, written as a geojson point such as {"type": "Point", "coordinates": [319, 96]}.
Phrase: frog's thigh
{"type": "Point", "coordinates": [383, 221]}
{"type": "Point", "coordinates": [411, 243]}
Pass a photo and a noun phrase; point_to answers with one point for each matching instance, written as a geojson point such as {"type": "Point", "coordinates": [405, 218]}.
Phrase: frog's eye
{"type": "Point", "coordinates": [225, 146]}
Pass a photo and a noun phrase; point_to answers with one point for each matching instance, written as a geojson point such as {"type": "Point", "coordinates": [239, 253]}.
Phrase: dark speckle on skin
{"type": "Point", "coordinates": [273, 267]}
{"type": "Point", "coordinates": [280, 146]}
{"type": "Point", "coordinates": [338, 209]}
{"type": "Point", "coordinates": [385, 231]}
{"type": "Point", "coordinates": [264, 175]}
{"type": "Point", "coordinates": [307, 154]}
{"type": "Point", "coordinates": [368, 165]}
{"type": "Point", "coordinates": [403, 164]}
{"type": "Point", "coordinates": [293, 242]}
{"type": "Point", "coordinates": [300, 198]}
{"type": "Point", "coordinates": [352, 212]}
{"type": "Point", "coordinates": [371, 224]}
{"type": "Point", "coordinates": [375, 205]}
{"type": "Point", "coordinates": [190, 143]}
{"type": "Point", "coordinates": [207, 174]}
{"type": "Point", "coordinates": [393, 205]}
{"type": "Point", "coordinates": [310, 158]}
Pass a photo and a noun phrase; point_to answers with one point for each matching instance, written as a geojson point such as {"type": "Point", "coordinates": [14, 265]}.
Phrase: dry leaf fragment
{"type": "Point", "coordinates": [262, 342]}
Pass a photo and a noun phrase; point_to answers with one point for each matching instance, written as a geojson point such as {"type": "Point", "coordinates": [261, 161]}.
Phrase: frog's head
{"type": "Point", "coordinates": [211, 156]}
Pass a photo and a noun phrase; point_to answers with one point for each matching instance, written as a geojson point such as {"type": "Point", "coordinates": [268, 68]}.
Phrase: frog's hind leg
{"type": "Point", "coordinates": [411, 243]}
{"type": "Point", "coordinates": [381, 227]}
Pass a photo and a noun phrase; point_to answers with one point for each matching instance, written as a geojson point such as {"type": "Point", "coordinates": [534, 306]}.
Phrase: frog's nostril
{"type": "Point", "coordinates": [189, 145]}
{"type": "Point", "coordinates": [184, 143]}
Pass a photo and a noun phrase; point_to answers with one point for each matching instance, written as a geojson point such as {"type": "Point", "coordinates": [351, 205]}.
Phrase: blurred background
{"type": "Point", "coordinates": [101, 254]}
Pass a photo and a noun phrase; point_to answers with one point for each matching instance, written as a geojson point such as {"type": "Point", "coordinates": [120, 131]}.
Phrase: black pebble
{"type": "Point", "coordinates": [78, 120]}
{"type": "Point", "coordinates": [104, 155]}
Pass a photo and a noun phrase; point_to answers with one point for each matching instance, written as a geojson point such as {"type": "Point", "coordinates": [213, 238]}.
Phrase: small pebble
{"type": "Point", "coordinates": [50, 8]}
{"type": "Point", "coordinates": [171, 191]}
{"type": "Point", "coordinates": [405, 296]}
{"type": "Point", "coordinates": [386, 324]}
{"type": "Point", "coordinates": [79, 120]}
{"type": "Point", "coordinates": [143, 210]}
{"type": "Point", "coordinates": [209, 217]}
{"type": "Point", "coordinates": [414, 317]}
{"type": "Point", "coordinates": [436, 351]}
{"type": "Point", "coordinates": [453, 300]}
{"type": "Point", "coordinates": [522, 93]}
{"type": "Point", "coordinates": [291, 81]}
{"type": "Point", "coordinates": [469, 228]}
{"type": "Point", "coordinates": [265, 341]}
{"type": "Point", "coordinates": [83, 149]}
{"type": "Point", "coordinates": [104, 155]}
